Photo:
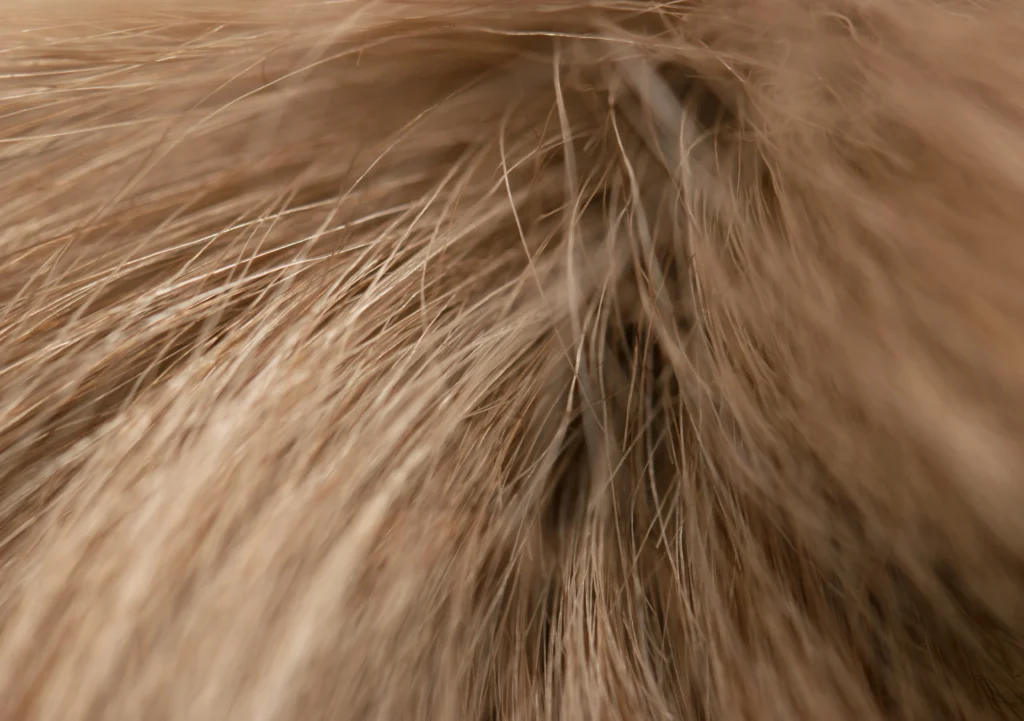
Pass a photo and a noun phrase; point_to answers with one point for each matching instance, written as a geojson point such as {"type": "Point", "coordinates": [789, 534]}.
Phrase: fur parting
{"type": "Point", "coordinates": [483, 360]}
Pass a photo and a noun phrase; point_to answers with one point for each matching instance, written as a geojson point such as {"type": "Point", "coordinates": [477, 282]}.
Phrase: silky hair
{"type": "Point", "coordinates": [478, 360]}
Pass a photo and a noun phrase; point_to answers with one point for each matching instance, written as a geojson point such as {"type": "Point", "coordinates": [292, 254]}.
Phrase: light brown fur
{"type": "Point", "coordinates": [467, 359]}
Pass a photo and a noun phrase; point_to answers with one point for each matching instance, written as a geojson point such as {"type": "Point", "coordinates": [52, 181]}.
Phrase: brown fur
{"type": "Point", "coordinates": [475, 359]}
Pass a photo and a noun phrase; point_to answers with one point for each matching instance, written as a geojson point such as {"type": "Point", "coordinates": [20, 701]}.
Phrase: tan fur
{"type": "Point", "coordinates": [475, 359]}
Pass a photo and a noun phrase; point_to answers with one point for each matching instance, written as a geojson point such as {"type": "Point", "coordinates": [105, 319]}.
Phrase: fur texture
{"type": "Point", "coordinates": [475, 359]}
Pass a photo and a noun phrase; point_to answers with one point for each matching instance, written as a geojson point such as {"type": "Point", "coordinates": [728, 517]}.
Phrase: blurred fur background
{"type": "Point", "coordinates": [486, 360]}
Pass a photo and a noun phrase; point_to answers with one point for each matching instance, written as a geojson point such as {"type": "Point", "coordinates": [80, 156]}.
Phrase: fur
{"type": "Point", "coordinates": [475, 359]}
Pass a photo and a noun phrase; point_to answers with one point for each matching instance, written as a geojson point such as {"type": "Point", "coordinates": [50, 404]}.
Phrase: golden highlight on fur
{"type": "Point", "coordinates": [485, 360]}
